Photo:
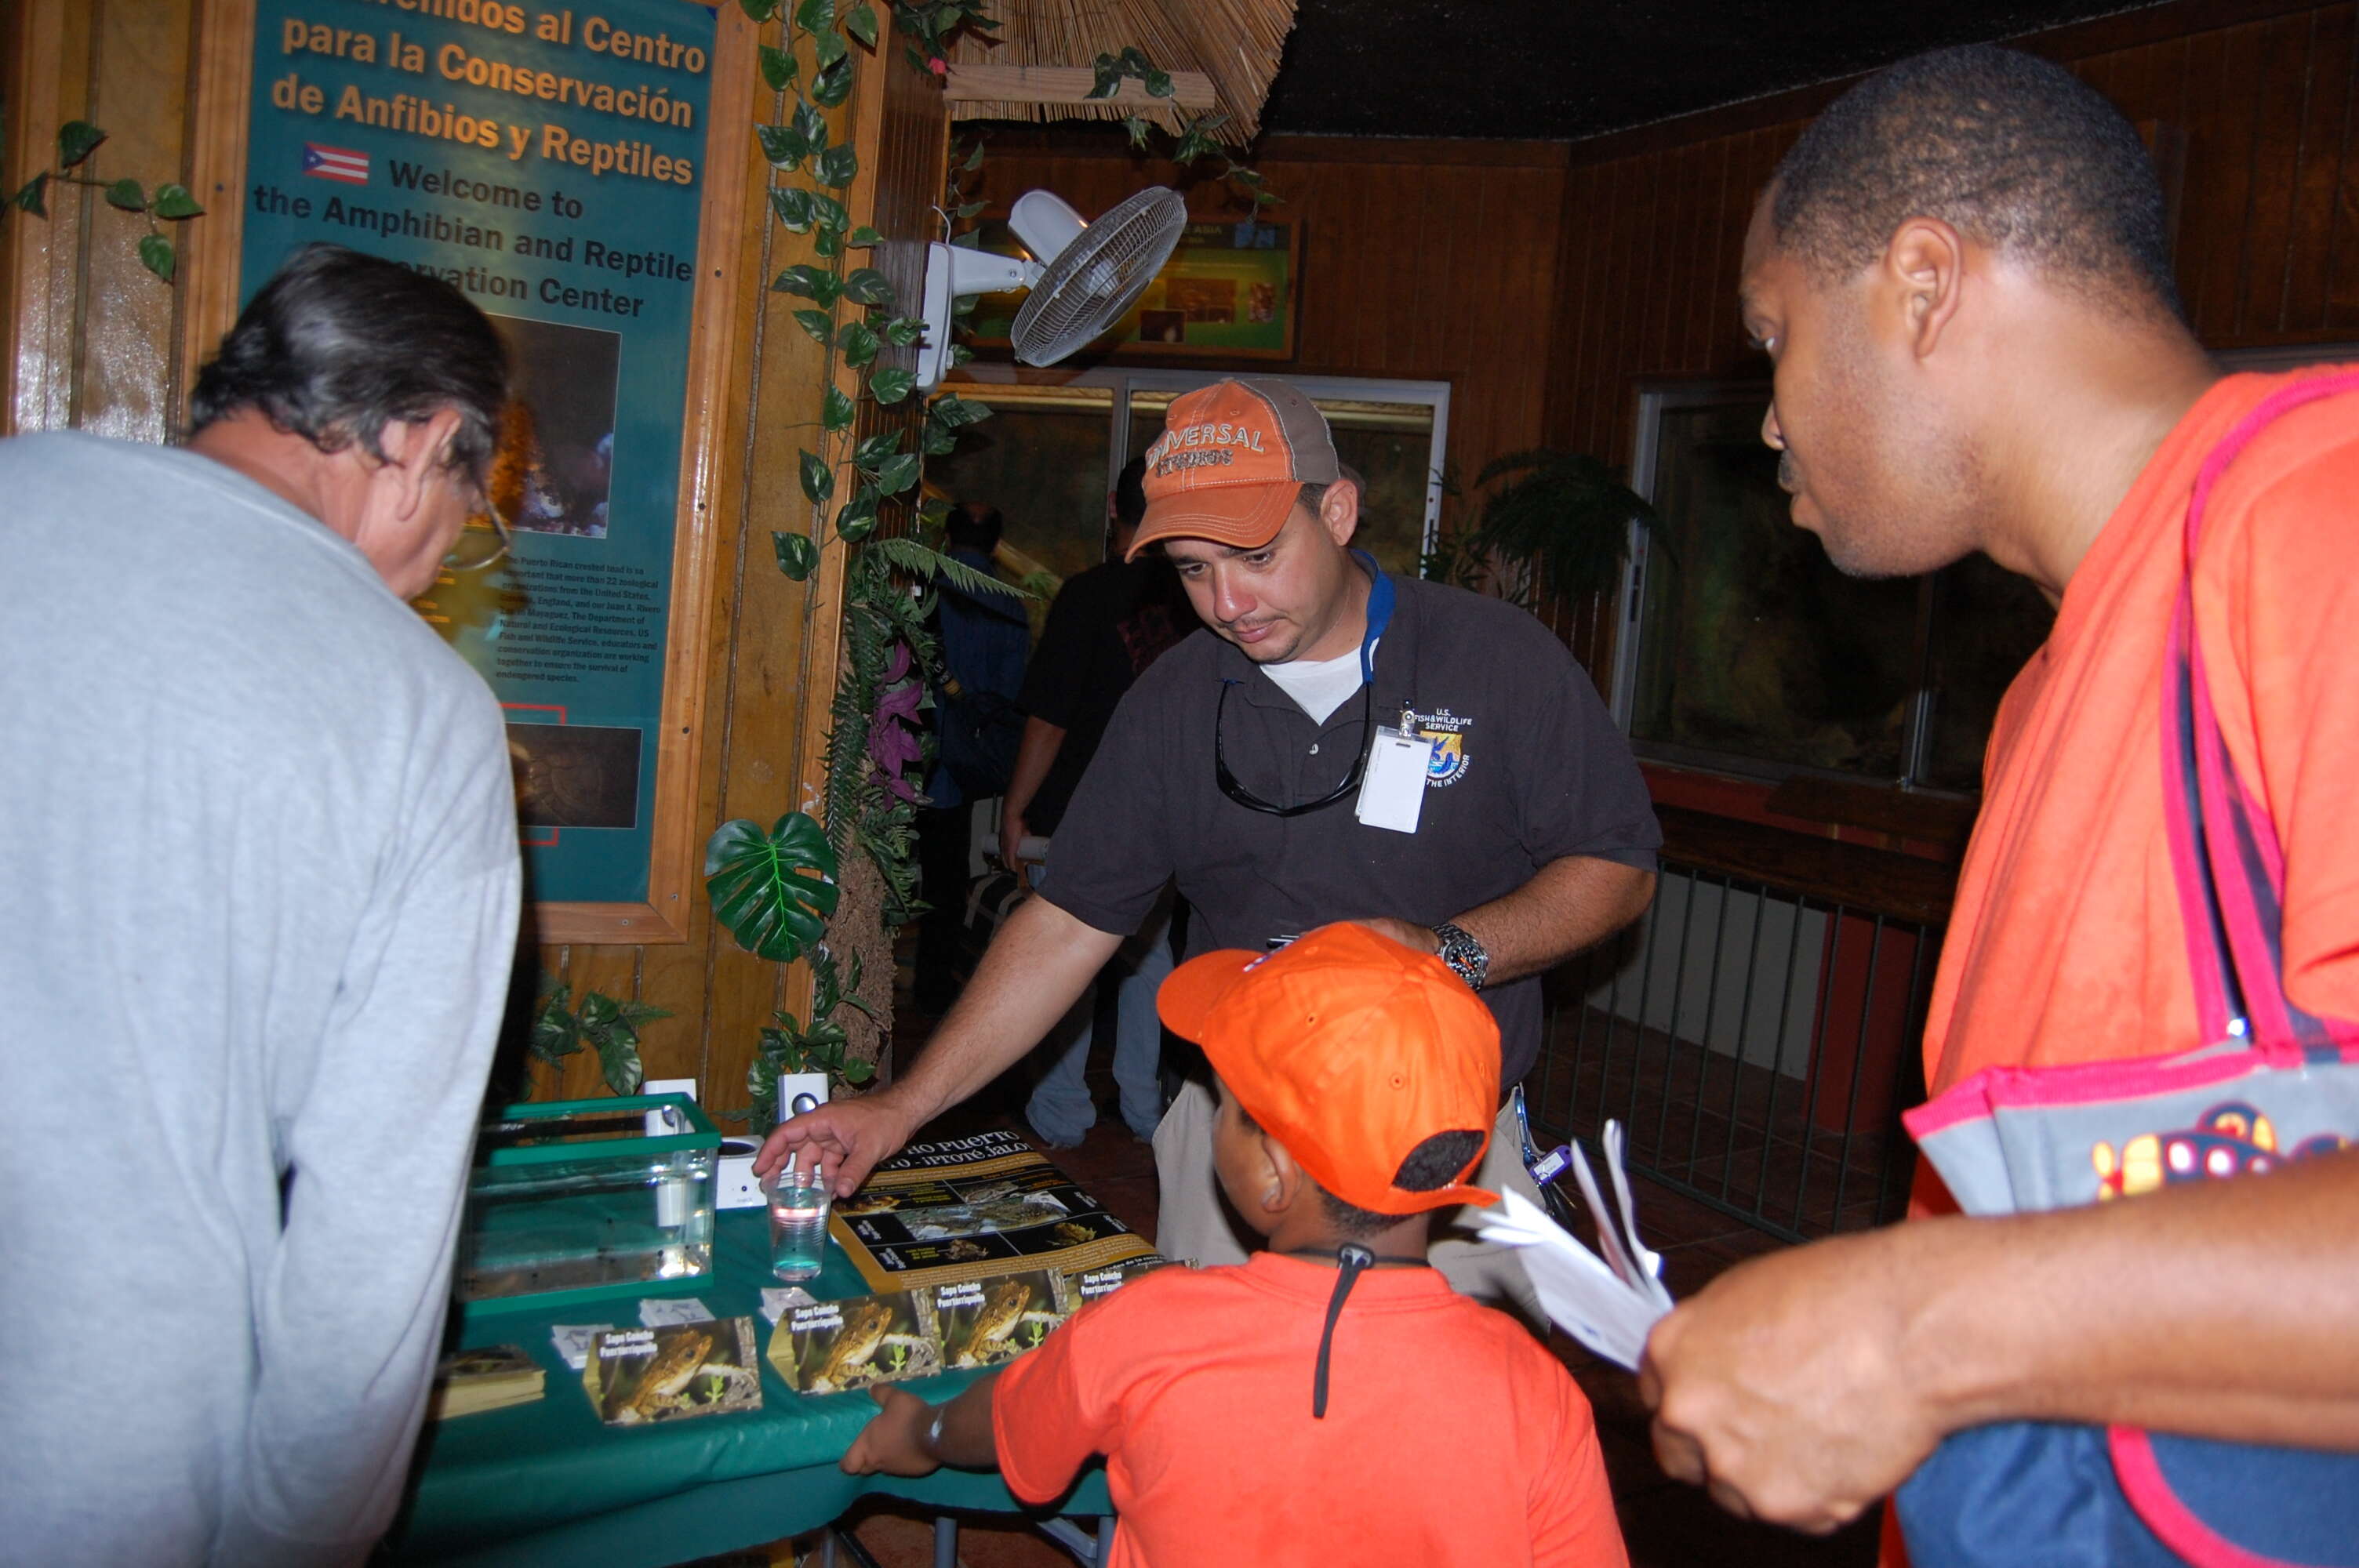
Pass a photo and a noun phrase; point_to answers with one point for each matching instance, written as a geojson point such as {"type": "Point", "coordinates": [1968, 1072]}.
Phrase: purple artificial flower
{"type": "Point", "coordinates": [894, 735]}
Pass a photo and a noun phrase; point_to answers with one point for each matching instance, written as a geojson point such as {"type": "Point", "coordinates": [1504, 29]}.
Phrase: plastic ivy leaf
{"type": "Point", "coordinates": [555, 1035]}
{"type": "Point", "coordinates": [951, 412]}
{"type": "Point", "coordinates": [858, 518]}
{"type": "Point", "coordinates": [867, 285]}
{"type": "Point", "coordinates": [793, 206]}
{"type": "Point", "coordinates": [827, 211]}
{"type": "Point", "coordinates": [968, 208]}
{"type": "Point", "coordinates": [127, 194]}
{"type": "Point", "coordinates": [157, 255]}
{"type": "Point", "coordinates": [76, 139]}
{"type": "Point", "coordinates": [859, 343]}
{"type": "Point", "coordinates": [810, 125]}
{"type": "Point", "coordinates": [872, 452]}
{"type": "Point", "coordinates": [828, 241]}
{"type": "Point", "coordinates": [898, 473]}
{"type": "Point", "coordinates": [759, 10]}
{"type": "Point", "coordinates": [813, 14]}
{"type": "Point", "coordinates": [1137, 128]}
{"type": "Point", "coordinates": [828, 46]}
{"type": "Point", "coordinates": [778, 67]}
{"type": "Point", "coordinates": [29, 200]}
{"type": "Point", "coordinates": [974, 159]}
{"type": "Point", "coordinates": [890, 385]}
{"type": "Point", "coordinates": [861, 23]}
{"type": "Point", "coordinates": [865, 236]}
{"type": "Point", "coordinates": [837, 165]}
{"type": "Point", "coordinates": [1159, 84]}
{"type": "Point", "coordinates": [835, 409]}
{"type": "Point", "coordinates": [796, 555]}
{"type": "Point", "coordinates": [901, 331]}
{"type": "Point", "coordinates": [833, 83]}
{"type": "Point", "coordinates": [818, 480]}
{"type": "Point", "coordinates": [781, 146]}
{"type": "Point", "coordinates": [818, 324]}
{"type": "Point", "coordinates": [811, 282]}
{"type": "Point", "coordinates": [939, 443]}
{"type": "Point", "coordinates": [1107, 77]}
{"type": "Point", "coordinates": [174, 202]}
{"type": "Point", "coordinates": [773, 891]}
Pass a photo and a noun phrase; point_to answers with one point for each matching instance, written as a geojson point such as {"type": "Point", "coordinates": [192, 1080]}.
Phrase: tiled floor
{"type": "Point", "coordinates": [1666, 1523]}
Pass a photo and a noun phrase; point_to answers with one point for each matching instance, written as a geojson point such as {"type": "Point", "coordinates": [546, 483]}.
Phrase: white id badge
{"type": "Point", "coordinates": [1393, 788]}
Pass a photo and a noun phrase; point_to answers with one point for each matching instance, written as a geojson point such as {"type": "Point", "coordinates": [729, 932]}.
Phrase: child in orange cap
{"type": "Point", "coordinates": [1330, 1400]}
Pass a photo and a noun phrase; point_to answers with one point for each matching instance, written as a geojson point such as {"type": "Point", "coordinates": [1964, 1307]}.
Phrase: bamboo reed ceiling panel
{"type": "Point", "coordinates": [2268, 232]}
{"type": "Point", "coordinates": [1235, 42]}
{"type": "Point", "coordinates": [1427, 261]}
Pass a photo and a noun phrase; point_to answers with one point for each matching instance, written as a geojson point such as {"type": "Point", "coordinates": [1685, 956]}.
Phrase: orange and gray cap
{"type": "Point", "coordinates": [1230, 463]}
{"type": "Point", "coordinates": [1350, 1050]}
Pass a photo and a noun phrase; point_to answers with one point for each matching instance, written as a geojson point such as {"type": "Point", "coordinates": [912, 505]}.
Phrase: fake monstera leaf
{"type": "Point", "coordinates": [774, 891]}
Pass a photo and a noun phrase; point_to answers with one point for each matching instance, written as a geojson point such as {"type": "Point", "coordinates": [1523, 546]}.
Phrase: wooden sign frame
{"type": "Point", "coordinates": [210, 264]}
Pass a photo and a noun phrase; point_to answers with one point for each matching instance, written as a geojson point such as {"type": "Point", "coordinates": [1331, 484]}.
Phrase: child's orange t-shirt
{"type": "Point", "coordinates": [1452, 1437]}
{"type": "Point", "coordinates": [2066, 942]}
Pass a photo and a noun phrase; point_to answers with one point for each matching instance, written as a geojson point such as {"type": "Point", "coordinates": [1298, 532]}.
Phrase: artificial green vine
{"type": "Point", "coordinates": [611, 1027]}
{"type": "Point", "coordinates": [875, 734]}
{"type": "Point", "coordinates": [76, 141]}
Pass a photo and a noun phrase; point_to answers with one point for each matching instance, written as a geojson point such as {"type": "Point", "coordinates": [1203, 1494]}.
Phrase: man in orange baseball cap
{"type": "Point", "coordinates": [1292, 1410]}
{"type": "Point", "coordinates": [1348, 744]}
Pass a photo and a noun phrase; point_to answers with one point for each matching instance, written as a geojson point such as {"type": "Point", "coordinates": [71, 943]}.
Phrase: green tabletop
{"type": "Point", "coordinates": [548, 1483]}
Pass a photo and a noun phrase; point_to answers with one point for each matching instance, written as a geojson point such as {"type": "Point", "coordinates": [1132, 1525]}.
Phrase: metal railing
{"type": "Point", "coordinates": [1756, 1043]}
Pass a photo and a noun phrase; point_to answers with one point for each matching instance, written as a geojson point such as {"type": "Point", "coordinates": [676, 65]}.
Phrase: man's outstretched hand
{"type": "Point", "coordinates": [1784, 1386]}
{"type": "Point", "coordinates": [845, 1139]}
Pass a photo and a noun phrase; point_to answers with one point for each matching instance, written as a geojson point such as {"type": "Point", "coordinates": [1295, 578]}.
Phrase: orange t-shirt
{"type": "Point", "coordinates": [1451, 1437]}
{"type": "Point", "coordinates": [2066, 943]}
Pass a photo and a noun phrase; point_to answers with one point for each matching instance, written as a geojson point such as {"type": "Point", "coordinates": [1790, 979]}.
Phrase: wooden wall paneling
{"type": "Point", "coordinates": [2340, 307]}
{"type": "Point", "coordinates": [2324, 159]}
{"type": "Point", "coordinates": [2219, 177]}
{"type": "Point", "coordinates": [2325, 135]}
{"type": "Point", "coordinates": [38, 255]}
{"type": "Point", "coordinates": [139, 75]}
{"type": "Point", "coordinates": [221, 104]}
{"type": "Point", "coordinates": [2281, 109]}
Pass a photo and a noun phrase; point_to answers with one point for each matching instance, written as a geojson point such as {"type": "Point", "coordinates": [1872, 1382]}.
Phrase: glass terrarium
{"type": "Point", "coordinates": [572, 1200]}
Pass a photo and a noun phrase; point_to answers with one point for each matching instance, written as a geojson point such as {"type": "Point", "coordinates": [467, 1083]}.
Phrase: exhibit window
{"type": "Point", "coordinates": [1049, 454]}
{"type": "Point", "coordinates": [1749, 652]}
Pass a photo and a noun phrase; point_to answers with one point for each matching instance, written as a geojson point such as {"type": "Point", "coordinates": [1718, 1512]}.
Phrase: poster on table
{"type": "Point", "coordinates": [1228, 292]}
{"type": "Point", "coordinates": [548, 161]}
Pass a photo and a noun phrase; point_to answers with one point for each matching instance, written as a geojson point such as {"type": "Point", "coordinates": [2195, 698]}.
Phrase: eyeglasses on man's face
{"type": "Point", "coordinates": [484, 542]}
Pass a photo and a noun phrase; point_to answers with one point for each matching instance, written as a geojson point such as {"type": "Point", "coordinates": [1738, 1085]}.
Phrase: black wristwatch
{"type": "Point", "coordinates": [1463, 953]}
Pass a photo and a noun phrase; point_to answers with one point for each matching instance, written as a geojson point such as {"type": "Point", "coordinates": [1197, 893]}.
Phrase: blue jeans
{"type": "Point", "coordinates": [1061, 1109]}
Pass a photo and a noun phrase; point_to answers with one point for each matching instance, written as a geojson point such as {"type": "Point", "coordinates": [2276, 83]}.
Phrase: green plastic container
{"type": "Point", "coordinates": [587, 1199]}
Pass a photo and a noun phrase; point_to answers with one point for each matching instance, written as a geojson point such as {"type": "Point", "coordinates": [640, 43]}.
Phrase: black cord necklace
{"type": "Point", "coordinates": [1352, 1261]}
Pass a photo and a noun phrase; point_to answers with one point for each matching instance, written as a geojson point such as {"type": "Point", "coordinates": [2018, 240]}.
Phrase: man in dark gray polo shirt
{"type": "Point", "coordinates": [1344, 744]}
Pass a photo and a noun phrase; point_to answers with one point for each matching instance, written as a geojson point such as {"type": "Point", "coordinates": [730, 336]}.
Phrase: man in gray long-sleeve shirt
{"type": "Point", "coordinates": [258, 838]}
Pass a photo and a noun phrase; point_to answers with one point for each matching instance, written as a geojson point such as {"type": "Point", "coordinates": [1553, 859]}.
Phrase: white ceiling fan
{"type": "Point", "coordinates": [1086, 275]}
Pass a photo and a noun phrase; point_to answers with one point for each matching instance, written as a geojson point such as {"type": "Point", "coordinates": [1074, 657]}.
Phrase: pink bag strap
{"type": "Point", "coordinates": [2224, 851]}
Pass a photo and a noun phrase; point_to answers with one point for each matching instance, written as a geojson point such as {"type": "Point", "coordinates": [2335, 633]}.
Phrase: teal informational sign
{"type": "Point", "coordinates": [548, 161]}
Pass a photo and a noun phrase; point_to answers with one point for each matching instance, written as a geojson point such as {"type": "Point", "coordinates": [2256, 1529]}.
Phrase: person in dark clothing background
{"type": "Point", "coordinates": [985, 638]}
{"type": "Point", "coordinates": [1106, 625]}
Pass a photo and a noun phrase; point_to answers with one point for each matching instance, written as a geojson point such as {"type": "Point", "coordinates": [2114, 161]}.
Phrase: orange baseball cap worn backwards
{"type": "Point", "coordinates": [1232, 458]}
{"type": "Point", "coordinates": [1349, 1049]}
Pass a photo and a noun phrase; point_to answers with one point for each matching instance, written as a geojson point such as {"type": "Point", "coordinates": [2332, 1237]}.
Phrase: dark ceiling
{"type": "Point", "coordinates": [1556, 70]}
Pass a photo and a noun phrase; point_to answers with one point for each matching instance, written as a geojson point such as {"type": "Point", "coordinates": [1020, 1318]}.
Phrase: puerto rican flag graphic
{"type": "Point", "coordinates": [335, 162]}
